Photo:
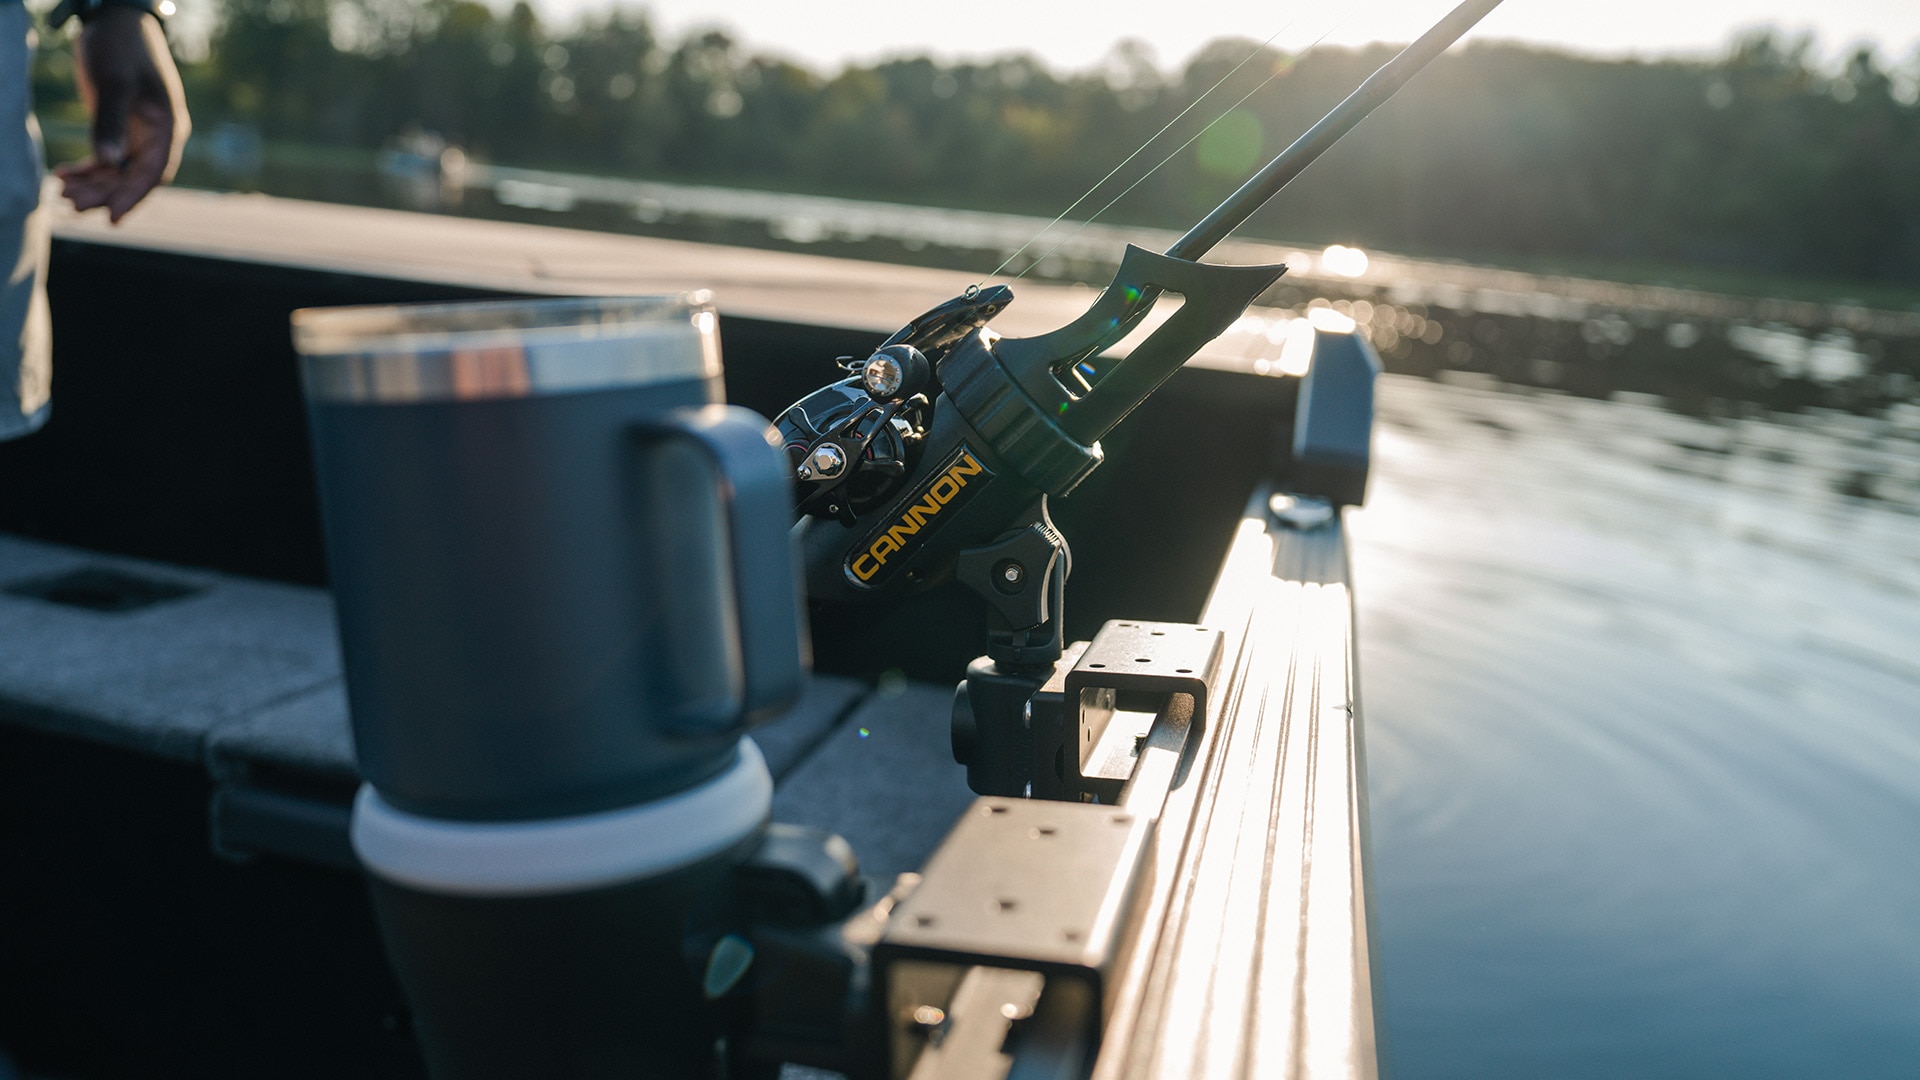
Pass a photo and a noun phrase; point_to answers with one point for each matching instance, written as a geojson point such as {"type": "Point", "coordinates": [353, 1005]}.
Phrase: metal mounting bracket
{"type": "Point", "coordinates": [1128, 676]}
{"type": "Point", "coordinates": [1018, 885]}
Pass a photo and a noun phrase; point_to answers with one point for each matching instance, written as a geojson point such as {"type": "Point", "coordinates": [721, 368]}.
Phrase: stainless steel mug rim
{"type": "Point", "coordinates": [399, 353]}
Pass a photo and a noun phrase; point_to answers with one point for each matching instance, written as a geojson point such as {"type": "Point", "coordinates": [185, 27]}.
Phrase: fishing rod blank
{"type": "Point", "coordinates": [1371, 94]}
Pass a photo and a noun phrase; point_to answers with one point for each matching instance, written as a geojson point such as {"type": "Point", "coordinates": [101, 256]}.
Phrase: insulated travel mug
{"type": "Point", "coordinates": [565, 587]}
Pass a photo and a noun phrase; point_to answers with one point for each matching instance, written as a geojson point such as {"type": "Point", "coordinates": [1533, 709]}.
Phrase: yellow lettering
{"type": "Point", "coordinates": [919, 512]}
{"type": "Point", "coordinates": [941, 492]}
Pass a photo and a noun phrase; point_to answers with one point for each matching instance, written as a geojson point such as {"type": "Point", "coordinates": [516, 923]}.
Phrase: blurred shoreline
{"type": "Point", "coordinates": [1699, 351]}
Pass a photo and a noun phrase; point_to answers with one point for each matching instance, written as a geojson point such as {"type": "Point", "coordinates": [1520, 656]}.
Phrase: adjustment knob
{"type": "Point", "coordinates": [895, 372]}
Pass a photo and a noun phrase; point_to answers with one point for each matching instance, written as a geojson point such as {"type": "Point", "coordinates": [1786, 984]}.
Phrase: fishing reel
{"type": "Point", "coordinates": [852, 442]}
{"type": "Point", "coordinates": [935, 457]}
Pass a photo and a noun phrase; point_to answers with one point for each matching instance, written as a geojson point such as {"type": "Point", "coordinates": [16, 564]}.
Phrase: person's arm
{"type": "Point", "coordinates": [127, 79]}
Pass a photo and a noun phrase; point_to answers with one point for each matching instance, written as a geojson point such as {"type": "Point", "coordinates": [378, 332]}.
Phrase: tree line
{"type": "Point", "coordinates": [1761, 159]}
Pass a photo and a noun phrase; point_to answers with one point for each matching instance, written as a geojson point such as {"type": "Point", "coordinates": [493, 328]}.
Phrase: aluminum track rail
{"type": "Point", "coordinates": [1252, 958]}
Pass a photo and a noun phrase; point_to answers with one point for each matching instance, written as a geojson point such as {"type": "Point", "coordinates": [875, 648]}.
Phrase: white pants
{"type": "Point", "coordinates": [26, 339]}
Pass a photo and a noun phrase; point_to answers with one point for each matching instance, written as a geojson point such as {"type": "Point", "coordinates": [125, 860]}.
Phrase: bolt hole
{"type": "Point", "coordinates": [923, 921]}
{"type": "Point", "coordinates": [1096, 665]}
{"type": "Point", "coordinates": [1004, 906]}
{"type": "Point", "coordinates": [1184, 670]}
{"type": "Point", "coordinates": [1045, 830]}
{"type": "Point", "coordinates": [992, 809]}
{"type": "Point", "coordinates": [1071, 935]}
{"type": "Point", "coordinates": [1143, 659]}
{"type": "Point", "coordinates": [1159, 633]}
{"type": "Point", "coordinates": [1121, 819]}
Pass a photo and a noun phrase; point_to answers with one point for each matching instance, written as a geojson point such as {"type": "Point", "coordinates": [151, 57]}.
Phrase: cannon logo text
{"type": "Point", "coordinates": [949, 487]}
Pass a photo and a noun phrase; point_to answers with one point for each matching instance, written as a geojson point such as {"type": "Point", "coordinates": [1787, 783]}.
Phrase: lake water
{"type": "Point", "coordinates": [1642, 701]}
{"type": "Point", "coordinates": [1639, 603]}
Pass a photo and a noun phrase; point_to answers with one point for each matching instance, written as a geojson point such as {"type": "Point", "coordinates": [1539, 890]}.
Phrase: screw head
{"type": "Point", "coordinates": [826, 462]}
{"type": "Point", "coordinates": [1014, 573]}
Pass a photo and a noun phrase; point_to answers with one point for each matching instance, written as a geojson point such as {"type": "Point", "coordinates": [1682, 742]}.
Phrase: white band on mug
{"type": "Point", "coordinates": [562, 855]}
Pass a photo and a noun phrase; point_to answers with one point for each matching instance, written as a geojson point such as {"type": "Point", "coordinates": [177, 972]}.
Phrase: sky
{"type": "Point", "coordinates": [1073, 34]}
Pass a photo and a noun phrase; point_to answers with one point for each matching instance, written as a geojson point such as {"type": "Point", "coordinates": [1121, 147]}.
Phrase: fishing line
{"type": "Point", "coordinates": [1276, 73]}
{"type": "Point", "coordinates": [1141, 149]}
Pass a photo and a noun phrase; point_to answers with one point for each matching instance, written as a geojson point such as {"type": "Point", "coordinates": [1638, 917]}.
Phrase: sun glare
{"type": "Point", "coordinates": [1345, 261]}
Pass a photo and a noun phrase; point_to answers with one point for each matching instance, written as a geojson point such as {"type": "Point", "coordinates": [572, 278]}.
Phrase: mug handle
{"type": "Point", "coordinates": [756, 497]}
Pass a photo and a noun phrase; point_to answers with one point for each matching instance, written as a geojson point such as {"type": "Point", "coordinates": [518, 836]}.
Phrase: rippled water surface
{"type": "Point", "coordinates": [1642, 698]}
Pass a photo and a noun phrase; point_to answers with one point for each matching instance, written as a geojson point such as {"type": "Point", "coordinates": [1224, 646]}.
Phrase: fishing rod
{"type": "Point", "coordinates": [1331, 128]}
{"type": "Point", "coordinates": [934, 457]}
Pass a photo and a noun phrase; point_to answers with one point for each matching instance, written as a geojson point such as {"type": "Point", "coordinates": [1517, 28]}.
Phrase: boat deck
{"type": "Point", "coordinates": [241, 678]}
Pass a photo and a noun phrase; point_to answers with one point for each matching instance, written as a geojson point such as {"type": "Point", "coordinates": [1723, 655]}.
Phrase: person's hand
{"type": "Point", "coordinates": [128, 81]}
